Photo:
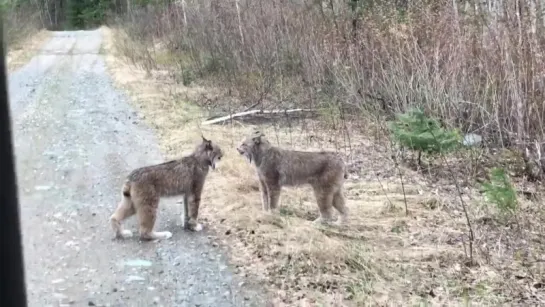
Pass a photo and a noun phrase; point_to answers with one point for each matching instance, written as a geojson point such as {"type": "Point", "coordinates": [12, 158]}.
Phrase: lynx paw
{"type": "Point", "coordinates": [163, 235]}
{"type": "Point", "coordinates": [125, 233]}
{"type": "Point", "coordinates": [320, 221]}
{"type": "Point", "coordinates": [198, 227]}
{"type": "Point", "coordinates": [341, 221]}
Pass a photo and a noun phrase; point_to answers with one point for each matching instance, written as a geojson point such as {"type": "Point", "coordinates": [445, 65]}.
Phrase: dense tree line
{"type": "Point", "coordinates": [70, 14]}
{"type": "Point", "coordinates": [78, 14]}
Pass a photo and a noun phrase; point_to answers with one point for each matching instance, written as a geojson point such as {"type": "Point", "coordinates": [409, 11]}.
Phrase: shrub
{"type": "Point", "coordinates": [500, 192]}
{"type": "Point", "coordinates": [416, 131]}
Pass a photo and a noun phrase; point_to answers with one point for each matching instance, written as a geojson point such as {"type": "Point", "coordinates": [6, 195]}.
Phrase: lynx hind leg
{"type": "Point", "coordinates": [124, 210]}
{"type": "Point", "coordinates": [147, 215]}
{"type": "Point", "coordinates": [324, 198]}
{"type": "Point", "coordinates": [339, 203]}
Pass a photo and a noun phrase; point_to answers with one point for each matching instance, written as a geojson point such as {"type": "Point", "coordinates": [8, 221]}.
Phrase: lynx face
{"type": "Point", "coordinates": [213, 153]}
{"type": "Point", "coordinates": [215, 157]}
{"type": "Point", "coordinates": [248, 146]}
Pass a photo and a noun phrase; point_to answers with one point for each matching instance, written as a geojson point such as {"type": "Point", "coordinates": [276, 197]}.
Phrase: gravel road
{"type": "Point", "coordinates": [76, 137]}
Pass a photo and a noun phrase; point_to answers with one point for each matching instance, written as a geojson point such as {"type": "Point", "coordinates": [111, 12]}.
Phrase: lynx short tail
{"type": "Point", "coordinates": [127, 189]}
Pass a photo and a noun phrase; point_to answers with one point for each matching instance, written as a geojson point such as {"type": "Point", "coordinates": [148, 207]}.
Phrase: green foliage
{"type": "Point", "coordinates": [5, 6]}
{"type": "Point", "coordinates": [87, 13]}
{"type": "Point", "coordinates": [500, 191]}
{"type": "Point", "coordinates": [187, 77]}
{"type": "Point", "coordinates": [213, 65]}
{"type": "Point", "coordinates": [19, 17]}
{"type": "Point", "coordinates": [423, 134]}
{"type": "Point", "coordinates": [9, 6]}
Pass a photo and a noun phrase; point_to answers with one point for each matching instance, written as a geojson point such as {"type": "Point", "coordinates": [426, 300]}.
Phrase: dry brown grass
{"type": "Point", "coordinates": [25, 48]}
{"type": "Point", "coordinates": [382, 257]}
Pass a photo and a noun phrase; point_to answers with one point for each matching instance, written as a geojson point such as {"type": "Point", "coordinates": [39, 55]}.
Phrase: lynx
{"type": "Point", "coordinates": [277, 167]}
{"type": "Point", "coordinates": [146, 185]}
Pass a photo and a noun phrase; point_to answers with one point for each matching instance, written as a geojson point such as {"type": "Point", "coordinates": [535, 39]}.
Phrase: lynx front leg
{"type": "Point", "coordinates": [185, 212]}
{"type": "Point", "coordinates": [193, 210]}
{"type": "Point", "coordinates": [193, 201]}
{"type": "Point", "coordinates": [264, 195]}
{"type": "Point", "coordinates": [274, 195]}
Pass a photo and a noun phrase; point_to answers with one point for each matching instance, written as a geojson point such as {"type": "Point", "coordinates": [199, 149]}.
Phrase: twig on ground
{"type": "Point", "coordinates": [396, 163]}
{"type": "Point", "coordinates": [471, 233]}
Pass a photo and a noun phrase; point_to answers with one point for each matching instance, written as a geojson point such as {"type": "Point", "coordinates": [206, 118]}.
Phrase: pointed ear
{"type": "Point", "coordinates": [207, 143]}
{"type": "Point", "coordinates": [256, 136]}
{"type": "Point", "coordinates": [257, 139]}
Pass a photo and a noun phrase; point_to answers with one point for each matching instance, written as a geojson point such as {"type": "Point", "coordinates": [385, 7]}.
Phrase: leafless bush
{"type": "Point", "coordinates": [477, 68]}
{"type": "Point", "coordinates": [20, 20]}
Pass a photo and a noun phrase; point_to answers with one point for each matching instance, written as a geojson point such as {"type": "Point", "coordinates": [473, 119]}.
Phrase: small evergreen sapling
{"type": "Point", "coordinates": [500, 191]}
{"type": "Point", "coordinates": [416, 131]}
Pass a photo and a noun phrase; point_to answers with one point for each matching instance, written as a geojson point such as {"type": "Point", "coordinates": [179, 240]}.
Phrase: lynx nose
{"type": "Point", "coordinates": [240, 151]}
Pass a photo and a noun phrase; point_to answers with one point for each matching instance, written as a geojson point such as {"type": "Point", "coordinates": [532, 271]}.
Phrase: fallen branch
{"type": "Point", "coordinates": [253, 112]}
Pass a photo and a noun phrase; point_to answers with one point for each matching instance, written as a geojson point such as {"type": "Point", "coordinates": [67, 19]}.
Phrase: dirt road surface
{"type": "Point", "coordinates": [76, 137]}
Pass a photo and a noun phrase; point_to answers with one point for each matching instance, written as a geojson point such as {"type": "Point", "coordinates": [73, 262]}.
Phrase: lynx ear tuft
{"type": "Point", "coordinates": [256, 136]}
{"type": "Point", "coordinates": [256, 133]}
{"type": "Point", "coordinates": [257, 139]}
{"type": "Point", "coordinates": [208, 143]}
